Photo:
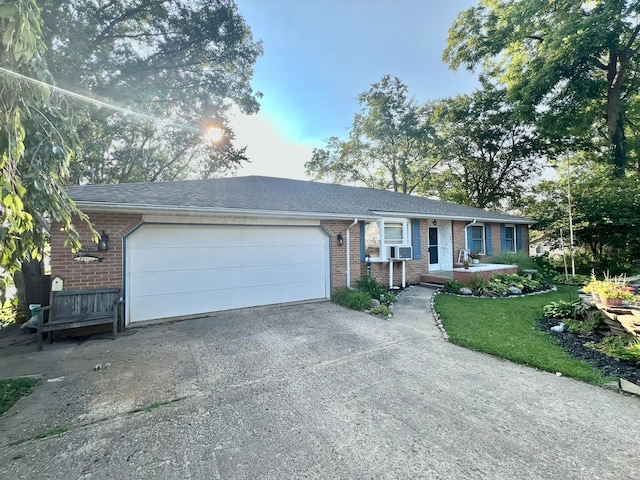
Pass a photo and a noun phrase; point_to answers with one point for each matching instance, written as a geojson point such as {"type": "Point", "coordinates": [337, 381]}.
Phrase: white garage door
{"type": "Point", "coordinates": [175, 270]}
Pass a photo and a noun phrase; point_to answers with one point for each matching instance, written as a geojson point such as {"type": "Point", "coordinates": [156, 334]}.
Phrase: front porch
{"type": "Point", "coordinates": [463, 275]}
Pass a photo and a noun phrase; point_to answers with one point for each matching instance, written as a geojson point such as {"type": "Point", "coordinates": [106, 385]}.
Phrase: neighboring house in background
{"type": "Point", "coordinates": [192, 247]}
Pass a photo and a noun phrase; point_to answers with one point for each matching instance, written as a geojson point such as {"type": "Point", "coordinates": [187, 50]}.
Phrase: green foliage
{"type": "Point", "coordinates": [388, 298]}
{"type": "Point", "coordinates": [487, 148]}
{"type": "Point", "coordinates": [373, 288]}
{"type": "Point", "coordinates": [578, 280]}
{"type": "Point", "coordinates": [593, 324]}
{"type": "Point", "coordinates": [452, 286]}
{"type": "Point", "coordinates": [353, 299]}
{"type": "Point", "coordinates": [390, 144]}
{"type": "Point", "coordinates": [478, 285]}
{"type": "Point", "coordinates": [183, 62]}
{"type": "Point", "coordinates": [381, 310]}
{"type": "Point", "coordinates": [12, 390]}
{"type": "Point", "coordinates": [564, 309]}
{"type": "Point", "coordinates": [37, 143]}
{"type": "Point", "coordinates": [510, 330]}
{"type": "Point", "coordinates": [618, 347]}
{"type": "Point", "coordinates": [573, 67]}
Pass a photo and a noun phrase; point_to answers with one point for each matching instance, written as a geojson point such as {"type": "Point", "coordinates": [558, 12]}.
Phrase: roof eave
{"type": "Point", "coordinates": [209, 211]}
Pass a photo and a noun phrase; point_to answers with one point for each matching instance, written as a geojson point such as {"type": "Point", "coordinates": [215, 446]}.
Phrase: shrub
{"type": "Point", "coordinates": [564, 309]}
{"type": "Point", "coordinates": [371, 287]}
{"type": "Point", "coordinates": [452, 286]}
{"type": "Point", "coordinates": [585, 327]}
{"type": "Point", "coordinates": [618, 347]}
{"type": "Point", "coordinates": [478, 285]}
{"type": "Point", "coordinates": [381, 310]}
{"type": "Point", "coordinates": [388, 298]}
{"type": "Point", "coordinates": [353, 299]}
{"type": "Point", "coordinates": [579, 280]}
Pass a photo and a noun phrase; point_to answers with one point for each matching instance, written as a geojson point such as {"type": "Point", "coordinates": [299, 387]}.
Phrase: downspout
{"type": "Point", "coordinates": [466, 240]}
{"type": "Point", "coordinates": [355, 222]}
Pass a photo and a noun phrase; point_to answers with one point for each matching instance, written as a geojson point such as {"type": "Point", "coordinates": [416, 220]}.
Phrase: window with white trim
{"type": "Point", "coordinates": [510, 241]}
{"type": "Point", "coordinates": [380, 234]}
{"type": "Point", "coordinates": [475, 239]}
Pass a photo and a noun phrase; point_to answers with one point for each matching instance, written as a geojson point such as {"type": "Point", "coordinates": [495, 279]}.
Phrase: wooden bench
{"type": "Point", "coordinates": [79, 308]}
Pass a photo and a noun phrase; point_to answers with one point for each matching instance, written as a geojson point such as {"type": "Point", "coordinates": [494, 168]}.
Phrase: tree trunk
{"type": "Point", "coordinates": [615, 127]}
{"type": "Point", "coordinates": [28, 283]}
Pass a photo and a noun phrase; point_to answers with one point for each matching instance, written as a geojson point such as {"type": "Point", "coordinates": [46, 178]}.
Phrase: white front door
{"type": "Point", "coordinates": [178, 270]}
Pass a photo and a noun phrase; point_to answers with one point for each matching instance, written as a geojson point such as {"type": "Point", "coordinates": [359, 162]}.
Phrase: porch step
{"type": "Point", "coordinates": [431, 285]}
{"type": "Point", "coordinates": [438, 278]}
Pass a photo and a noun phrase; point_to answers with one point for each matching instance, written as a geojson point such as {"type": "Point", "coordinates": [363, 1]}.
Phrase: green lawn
{"type": "Point", "coordinates": [11, 390]}
{"type": "Point", "coordinates": [507, 328]}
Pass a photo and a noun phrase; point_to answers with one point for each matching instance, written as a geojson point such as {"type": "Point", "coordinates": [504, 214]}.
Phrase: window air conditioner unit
{"type": "Point", "coordinates": [400, 253]}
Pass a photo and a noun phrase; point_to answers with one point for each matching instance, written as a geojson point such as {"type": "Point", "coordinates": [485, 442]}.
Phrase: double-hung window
{"type": "Point", "coordinates": [380, 234]}
{"type": "Point", "coordinates": [510, 243]}
{"type": "Point", "coordinates": [475, 239]}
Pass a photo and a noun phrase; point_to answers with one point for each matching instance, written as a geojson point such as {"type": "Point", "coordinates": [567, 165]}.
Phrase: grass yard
{"type": "Point", "coordinates": [507, 328]}
{"type": "Point", "coordinates": [11, 390]}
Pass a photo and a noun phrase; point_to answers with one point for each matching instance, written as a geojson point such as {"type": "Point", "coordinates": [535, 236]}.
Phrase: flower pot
{"type": "Point", "coordinates": [475, 260]}
{"type": "Point", "coordinates": [612, 302]}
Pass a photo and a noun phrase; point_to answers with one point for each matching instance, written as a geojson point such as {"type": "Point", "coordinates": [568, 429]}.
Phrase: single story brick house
{"type": "Point", "coordinates": [185, 248]}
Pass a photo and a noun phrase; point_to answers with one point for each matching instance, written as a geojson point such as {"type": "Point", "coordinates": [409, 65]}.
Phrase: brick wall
{"type": "Point", "coordinates": [496, 241]}
{"type": "Point", "coordinates": [379, 271]}
{"type": "Point", "coordinates": [79, 275]}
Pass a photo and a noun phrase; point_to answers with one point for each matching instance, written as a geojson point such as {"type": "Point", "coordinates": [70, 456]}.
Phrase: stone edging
{"type": "Point", "coordinates": [436, 317]}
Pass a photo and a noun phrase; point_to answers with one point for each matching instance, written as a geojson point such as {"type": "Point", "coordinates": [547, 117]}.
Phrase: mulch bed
{"type": "Point", "coordinates": [573, 343]}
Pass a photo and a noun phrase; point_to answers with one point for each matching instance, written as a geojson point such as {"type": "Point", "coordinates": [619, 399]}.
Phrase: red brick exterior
{"type": "Point", "coordinates": [108, 273]}
{"type": "Point", "coordinates": [79, 275]}
{"type": "Point", "coordinates": [379, 271]}
{"type": "Point", "coordinates": [496, 243]}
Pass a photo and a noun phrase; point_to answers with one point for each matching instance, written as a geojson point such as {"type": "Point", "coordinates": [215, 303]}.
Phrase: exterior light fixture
{"type": "Point", "coordinates": [103, 243]}
{"type": "Point", "coordinates": [435, 222]}
{"type": "Point", "coordinates": [340, 239]}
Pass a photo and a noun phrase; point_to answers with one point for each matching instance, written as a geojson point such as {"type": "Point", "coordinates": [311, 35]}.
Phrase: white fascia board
{"type": "Point", "coordinates": [524, 221]}
{"type": "Point", "coordinates": [204, 211]}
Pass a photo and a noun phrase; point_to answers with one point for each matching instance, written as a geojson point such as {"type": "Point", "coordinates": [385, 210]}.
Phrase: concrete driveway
{"type": "Point", "coordinates": [308, 391]}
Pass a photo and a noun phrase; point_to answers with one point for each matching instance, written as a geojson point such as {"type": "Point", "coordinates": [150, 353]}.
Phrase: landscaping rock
{"type": "Point", "coordinates": [374, 303]}
{"type": "Point", "coordinates": [465, 291]}
{"type": "Point", "coordinates": [514, 291]}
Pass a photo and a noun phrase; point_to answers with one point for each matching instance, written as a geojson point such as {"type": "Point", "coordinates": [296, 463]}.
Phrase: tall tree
{"type": "Point", "coordinates": [573, 62]}
{"type": "Point", "coordinates": [489, 153]}
{"type": "Point", "coordinates": [184, 62]}
{"type": "Point", "coordinates": [390, 144]}
{"type": "Point", "coordinates": [37, 142]}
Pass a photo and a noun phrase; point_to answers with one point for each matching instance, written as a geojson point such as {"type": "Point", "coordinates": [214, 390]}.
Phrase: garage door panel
{"type": "Point", "coordinates": [174, 258]}
{"type": "Point", "coordinates": [183, 270]}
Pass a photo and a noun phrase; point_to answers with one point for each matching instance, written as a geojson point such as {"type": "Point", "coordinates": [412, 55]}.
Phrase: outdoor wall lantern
{"type": "Point", "coordinates": [435, 222]}
{"type": "Point", "coordinates": [103, 244]}
{"type": "Point", "coordinates": [340, 239]}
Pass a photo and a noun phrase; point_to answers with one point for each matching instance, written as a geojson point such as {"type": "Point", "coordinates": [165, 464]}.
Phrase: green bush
{"type": "Point", "coordinates": [578, 280]}
{"type": "Point", "coordinates": [353, 299]}
{"type": "Point", "coordinates": [452, 286]}
{"type": "Point", "coordinates": [371, 287]}
{"type": "Point", "coordinates": [564, 309]}
{"type": "Point", "coordinates": [388, 298]}
{"type": "Point", "coordinates": [381, 310]}
{"type": "Point", "coordinates": [618, 347]}
{"type": "Point", "coordinates": [585, 327]}
{"type": "Point", "coordinates": [478, 285]}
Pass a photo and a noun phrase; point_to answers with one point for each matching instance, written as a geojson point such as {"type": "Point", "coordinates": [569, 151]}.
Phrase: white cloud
{"type": "Point", "coordinates": [270, 154]}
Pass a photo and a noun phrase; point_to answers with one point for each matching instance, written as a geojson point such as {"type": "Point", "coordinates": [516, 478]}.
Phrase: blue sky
{"type": "Point", "coordinates": [320, 55]}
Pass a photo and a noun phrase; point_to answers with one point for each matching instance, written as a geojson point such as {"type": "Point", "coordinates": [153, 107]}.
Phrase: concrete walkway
{"type": "Point", "coordinates": [310, 391]}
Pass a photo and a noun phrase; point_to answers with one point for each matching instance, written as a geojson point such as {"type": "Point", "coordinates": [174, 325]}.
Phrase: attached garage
{"type": "Point", "coordinates": [180, 270]}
